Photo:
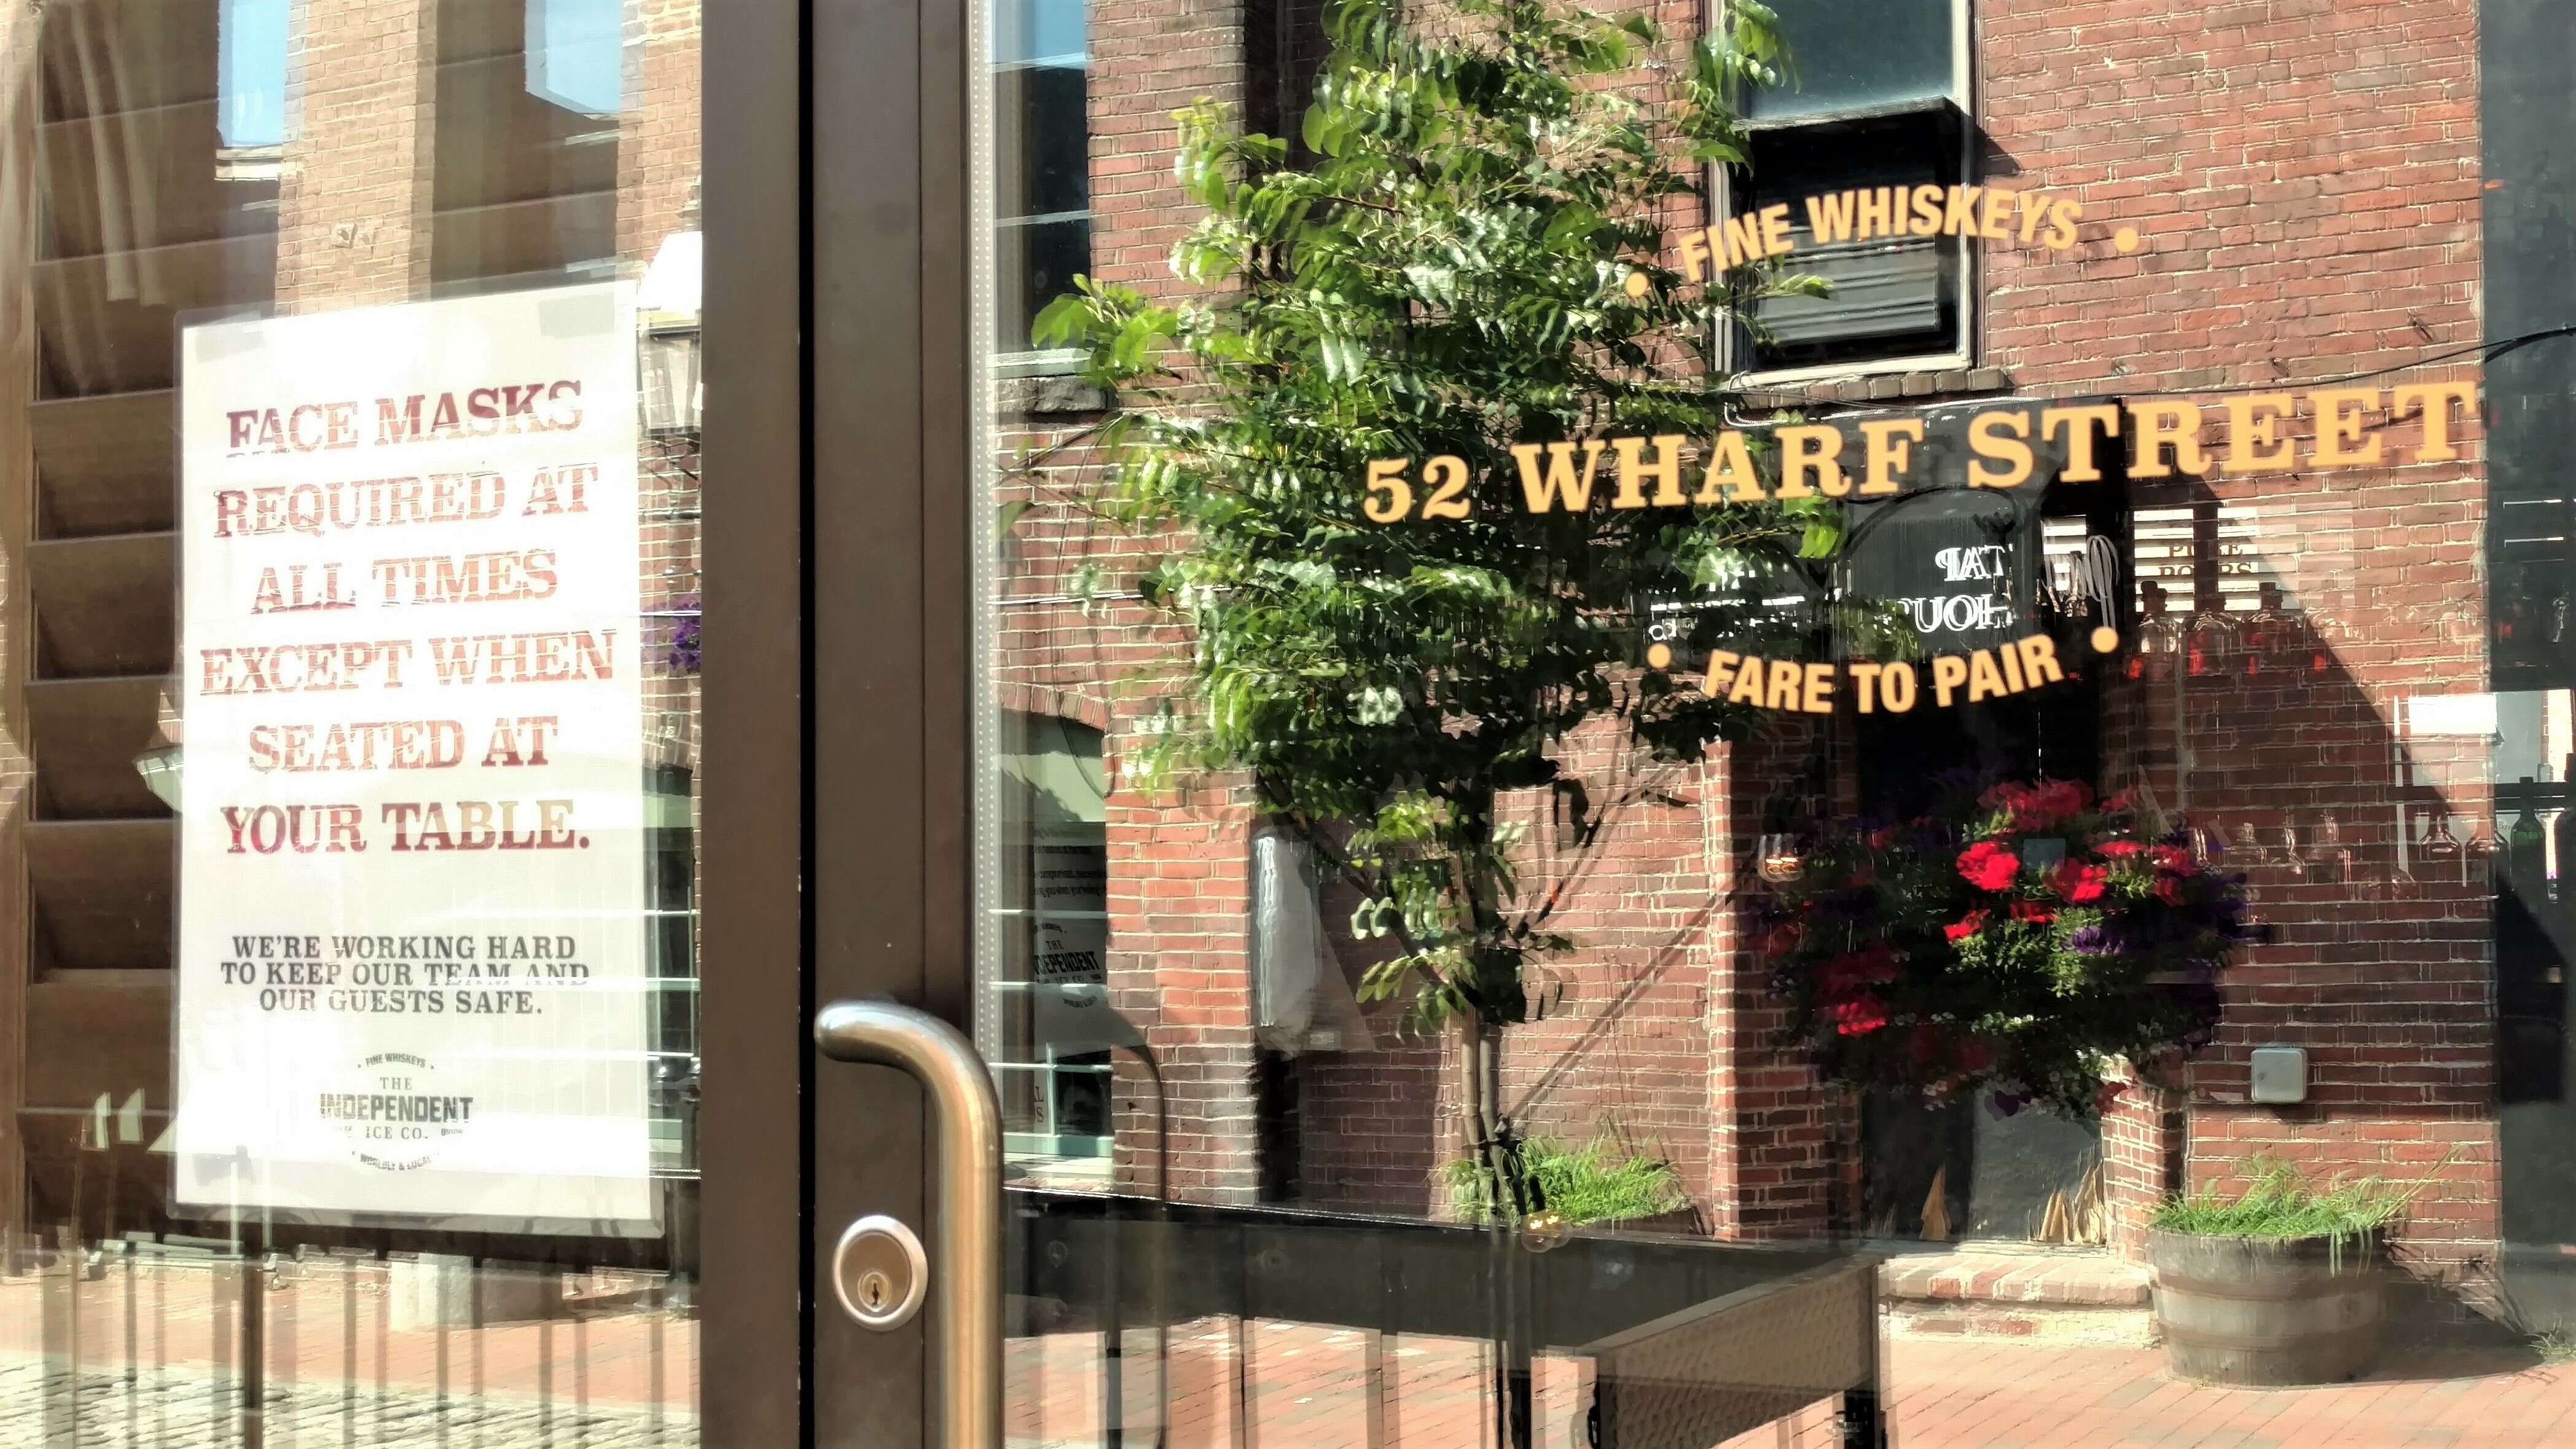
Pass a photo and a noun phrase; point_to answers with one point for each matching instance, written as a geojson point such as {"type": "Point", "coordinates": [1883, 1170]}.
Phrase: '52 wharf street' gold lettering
{"type": "Point", "coordinates": [1994, 445]}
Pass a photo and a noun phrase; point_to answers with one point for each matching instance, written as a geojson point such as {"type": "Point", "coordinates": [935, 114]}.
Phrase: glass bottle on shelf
{"type": "Point", "coordinates": [2323, 630]}
{"type": "Point", "coordinates": [2484, 858]}
{"type": "Point", "coordinates": [2267, 634]}
{"type": "Point", "coordinates": [2329, 859]}
{"type": "Point", "coordinates": [2438, 848]}
{"type": "Point", "coordinates": [2209, 646]}
{"type": "Point", "coordinates": [2287, 853]}
{"type": "Point", "coordinates": [2527, 849]}
{"type": "Point", "coordinates": [2159, 639]}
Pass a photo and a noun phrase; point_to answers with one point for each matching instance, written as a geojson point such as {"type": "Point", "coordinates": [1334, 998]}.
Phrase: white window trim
{"type": "Point", "coordinates": [1877, 367]}
{"type": "Point", "coordinates": [1972, 291]}
{"type": "Point", "coordinates": [1039, 362]}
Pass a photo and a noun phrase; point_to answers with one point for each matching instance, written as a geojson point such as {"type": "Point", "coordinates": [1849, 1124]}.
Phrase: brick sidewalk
{"type": "Point", "coordinates": [1311, 1390]}
{"type": "Point", "coordinates": [1971, 1394]}
{"type": "Point", "coordinates": [594, 1380]}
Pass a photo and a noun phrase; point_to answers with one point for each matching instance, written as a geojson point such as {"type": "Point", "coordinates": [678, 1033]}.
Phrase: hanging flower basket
{"type": "Point", "coordinates": [2026, 939]}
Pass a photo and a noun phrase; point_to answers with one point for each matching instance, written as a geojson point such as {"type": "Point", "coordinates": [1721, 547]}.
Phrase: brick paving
{"type": "Point", "coordinates": [1311, 1389]}
{"type": "Point", "coordinates": [628, 1378]}
{"type": "Point", "coordinates": [158, 1349]}
{"type": "Point", "coordinates": [1970, 1394]}
{"type": "Point", "coordinates": [2087, 1279]}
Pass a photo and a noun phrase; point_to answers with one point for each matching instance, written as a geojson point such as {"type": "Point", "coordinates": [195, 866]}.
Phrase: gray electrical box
{"type": "Point", "coordinates": [2280, 1074]}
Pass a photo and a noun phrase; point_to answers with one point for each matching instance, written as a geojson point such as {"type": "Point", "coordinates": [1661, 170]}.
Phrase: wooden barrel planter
{"type": "Point", "coordinates": [2268, 1311]}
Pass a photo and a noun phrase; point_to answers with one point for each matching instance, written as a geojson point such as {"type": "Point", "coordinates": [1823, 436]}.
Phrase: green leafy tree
{"type": "Point", "coordinates": [1443, 271]}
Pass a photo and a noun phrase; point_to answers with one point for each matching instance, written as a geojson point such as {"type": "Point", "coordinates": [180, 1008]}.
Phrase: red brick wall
{"type": "Point", "coordinates": [353, 199]}
{"type": "Point", "coordinates": [2143, 1137]}
{"type": "Point", "coordinates": [2306, 175]}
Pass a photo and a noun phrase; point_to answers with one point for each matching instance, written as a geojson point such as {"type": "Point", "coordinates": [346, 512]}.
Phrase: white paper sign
{"type": "Point", "coordinates": [411, 948]}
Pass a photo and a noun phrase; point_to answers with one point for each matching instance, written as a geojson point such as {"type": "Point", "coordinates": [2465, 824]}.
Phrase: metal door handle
{"type": "Point", "coordinates": [966, 1246]}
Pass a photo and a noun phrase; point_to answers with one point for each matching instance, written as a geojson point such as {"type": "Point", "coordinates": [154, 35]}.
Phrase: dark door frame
{"type": "Point", "coordinates": [754, 825]}
{"type": "Point", "coordinates": [836, 827]}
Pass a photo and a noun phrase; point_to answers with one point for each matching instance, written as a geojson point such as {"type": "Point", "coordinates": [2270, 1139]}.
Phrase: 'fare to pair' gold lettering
{"type": "Point", "coordinates": [1788, 684]}
{"type": "Point", "coordinates": [1878, 458]}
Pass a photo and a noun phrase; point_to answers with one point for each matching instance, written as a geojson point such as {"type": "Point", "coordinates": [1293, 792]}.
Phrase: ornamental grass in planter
{"type": "Point", "coordinates": [2284, 1283]}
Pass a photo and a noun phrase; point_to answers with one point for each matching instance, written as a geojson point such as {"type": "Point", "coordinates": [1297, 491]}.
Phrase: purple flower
{"type": "Point", "coordinates": [684, 654]}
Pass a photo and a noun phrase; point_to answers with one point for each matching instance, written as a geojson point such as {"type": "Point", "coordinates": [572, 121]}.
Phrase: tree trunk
{"type": "Point", "coordinates": [1507, 1197]}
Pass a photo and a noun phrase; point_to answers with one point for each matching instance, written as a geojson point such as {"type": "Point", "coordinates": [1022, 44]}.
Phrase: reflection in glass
{"type": "Point", "coordinates": [194, 163]}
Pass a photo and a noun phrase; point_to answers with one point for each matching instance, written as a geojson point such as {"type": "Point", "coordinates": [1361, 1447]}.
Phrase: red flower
{"type": "Point", "coordinates": [1858, 1016]}
{"type": "Point", "coordinates": [2120, 849]}
{"type": "Point", "coordinates": [1851, 974]}
{"type": "Point", "coordinates": [2037, 915]}
{"type": "Point", "coordinates": [2170, 857]}
{"type": "Point", "coordinates": [2169, 890]}
{"type": "Point", "coordinates": [2078, 882]}
{"type": "Point", "coordinates": [1966, 926]}
{"type": "Point", "coordinates": [2062, 798]}
{"type": "Point", "coordinates": [1988, 866]}
{"type": "Point", "coordinates": [1934, 1045]}
{"type": "Point", "coordinates": [2038, 807]}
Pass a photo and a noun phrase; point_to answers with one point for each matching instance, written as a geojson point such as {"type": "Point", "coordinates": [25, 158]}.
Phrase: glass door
{"type": "Point", "coordinates": [1759, 723]}
{"type": "Point", "coordinates": [1350, 909]}
{"type": "Point", "coordinates": [367, 1047]}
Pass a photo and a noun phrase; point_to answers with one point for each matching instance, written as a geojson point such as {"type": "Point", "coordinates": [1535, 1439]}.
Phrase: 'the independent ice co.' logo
{"type": "Point", "coordinates": [392, 1114]}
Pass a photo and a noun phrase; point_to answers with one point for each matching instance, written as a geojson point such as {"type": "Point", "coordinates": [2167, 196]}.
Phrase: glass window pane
{"type": "Point", "coordinates": [1042, 140]}
{"type": "Point", "coordinates": [348, 808]}
{"type": "Point", "coordinates": [1849, 54]}
{"type": "Point", "coordinates": [1038, 32]}
{"type": "Point", "coordinates": [2160, 633]}
{"type": "Point", "coordinates": [1037, 260]}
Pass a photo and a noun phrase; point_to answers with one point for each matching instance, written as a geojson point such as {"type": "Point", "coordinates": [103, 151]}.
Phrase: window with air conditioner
{"type": "Point", "coordinates": [1877, 100]}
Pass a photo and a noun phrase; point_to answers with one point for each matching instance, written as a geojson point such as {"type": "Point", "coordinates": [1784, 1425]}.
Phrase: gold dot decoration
{"type": "Point", "coordinates": [1659, 656]}
{"type": "Point", "coordinates": [2127, 239]}
{"type": "Point", "coordinates": [2105, 639]}
{"type": "Point", "coordinates": [1638, 285]}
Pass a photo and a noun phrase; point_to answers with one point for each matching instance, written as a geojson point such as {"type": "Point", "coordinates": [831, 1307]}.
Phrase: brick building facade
{"type": "Point", "coordinates": [2307, 182]}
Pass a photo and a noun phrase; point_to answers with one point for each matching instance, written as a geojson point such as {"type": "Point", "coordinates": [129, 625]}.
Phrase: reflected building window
{"type": "Point", "coordinates": [1876, 103]}
{"type": "Point", "coordinates": [1042, 167]}
{"type": "Point", "coordinates": [1057, 1021]}
{"type": "Point", "coordinates": [251, 74]}
{"type": "Point", "coordinates": [576, 54]}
